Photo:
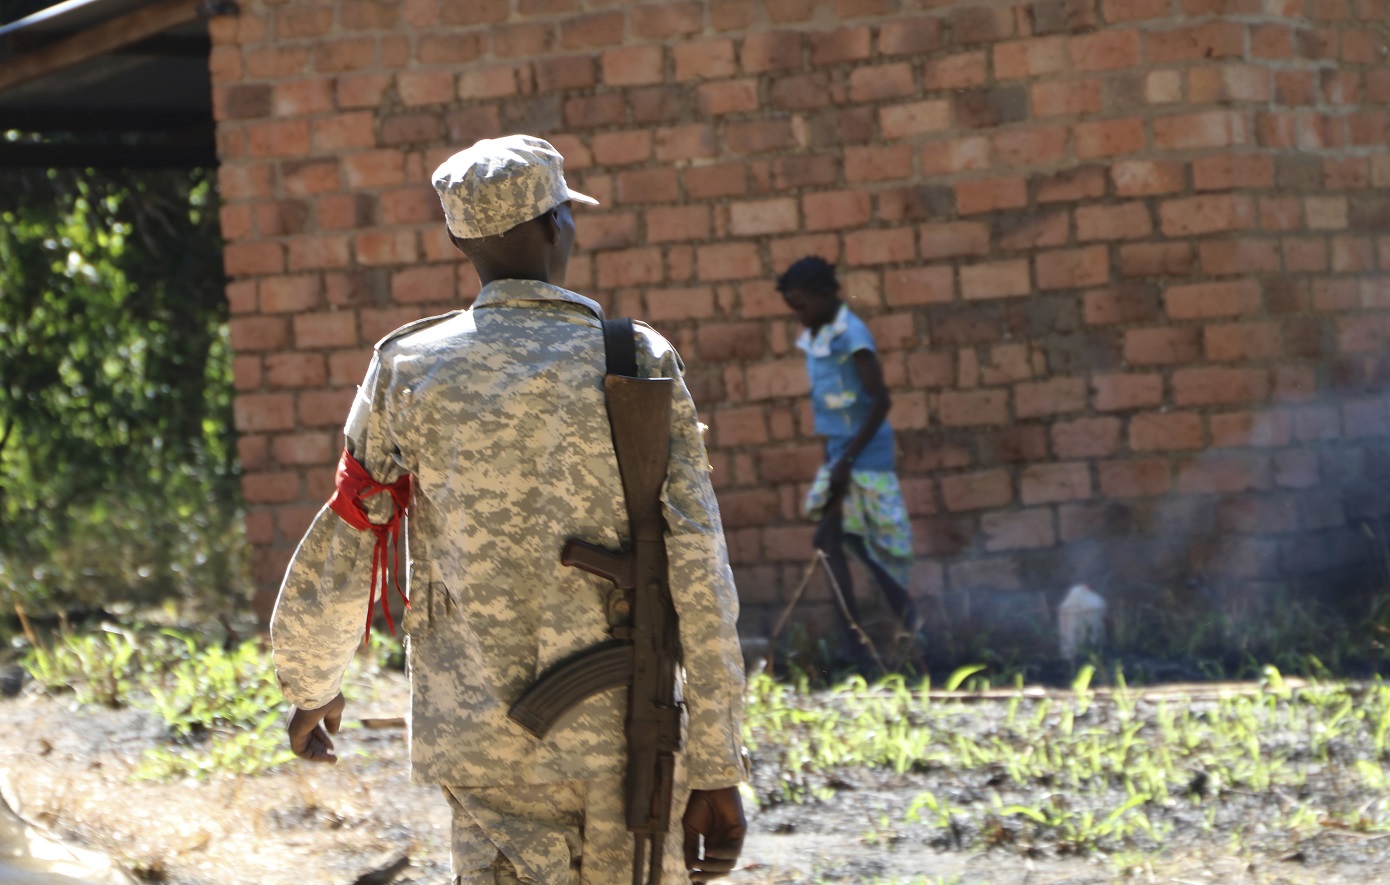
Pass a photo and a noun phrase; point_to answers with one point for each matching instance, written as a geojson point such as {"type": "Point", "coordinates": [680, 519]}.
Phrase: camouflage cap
{"type": "Point", "coordinates": [499, 183]}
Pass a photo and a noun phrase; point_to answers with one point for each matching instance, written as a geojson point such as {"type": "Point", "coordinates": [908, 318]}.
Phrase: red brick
{"type": "Point", "coordinates": [1121, 392]}
{"type": "Point", "coordinates": [385, 247]}
{"type": "Point", "coordinates": [270, 488]}
{"type": "Point", "coordinates": [666, 20]}
{"type": "Point", "coordinates": [1214, 386]}
{"type": "Point", "coordinates": [704, 60]}
{"type": "Point", "coordinates": [832, 210]}
{"type": "Point", "coordinates": [299, 98]}
{"type": "Point", "coordinates": [840, 45]}
{"type": "Point", "coordinates": [729, 261]}
{"type": "Point", "coordinates": [973, 408]}
{"type": "Point", "coordinates": [977, 491]}
{"type": "Point", "coordinates": [1123, 221]}
{"type": "Point", "coordinates": [673, 223]}
{"type": "Point", "coordinates": [525, 40]}
{"type": "Point", "coordinates": [962, 71]}
{"type": "Point", "coordinates": [629, 267]}
{"type": "Point", "coordinates": [1209, 129]}
{"type": "Point", "coordinates": [1108, 138]}
{"type": "Point", "coordinates": [778, 379]}
{"type": "Point", "coordinates": [344, 131]}
{"type": "Point", "coordinates": [1271, 42]}
{"type": "Point", "coordinates": [882, 246]}
{"type": "Point", "coordinates": [1210, 85]}
{"type": "Point", "coordinates": [1018, 530]}
{"type": "Point", "coordinates": [374, 168]}
{"type": "Point", "coordinates": [1162, 346]}
{"type": "Point", "coordinates": [959, 155]}
{"type": "Point", "coordinates": [1242, 429]}
{"type": "Point", "coordinates": [621, 148]}
{"type": "Point", "coordinates": [255, 413]}
{"type": "Point", "coordinates": [1216, 39]}
{"type": "Point", "coordinates": [1165, 431]}
{"type": "Point", "coordinates": [1073, 268]}
{"type": "Point", "coordinates": [1001, 279]}
{"type": "Point", "coordinates": [759, 136]}
{"type": "Point", "coordinates": [1139, 478]}
{"type": "Point", "coordinates": [867, 164]}
{"type": "Point", "coordinates": [723, 342]}
{"type": "Point", "coordinates": [1204, 300]}
{"type": "Point", "coordinates": [496, 81]}
{"type": "Point", "coordinates": [1240, 257]}
{"type": "Point", "coordinates": [907, 120]}
{"type": "Point", "coordinates": [727, 97]}
{"type": "Point", "coordinates": [308, 253]}
{"type": "Point", "coordinates": [770, 51]}
{"type": "Point", "coordinates": [919, 285]}
{"type": "Point", "coordinates": [764, 217]}
{"type": "Point", "coordinates": [954, 239]}
{"type": "Point", "coordinates": [876, 83]}
{"type": "Point", "coordinates": [1229, 171]}
{"type": "Point", "coordinates": [335, 56]}
{"type": "Point", "coordinates": [324, 408]}
{"type": "Point", "coordinates": [1155, 260]}
{"type": "Point", "coordinates": [425, 87]}
{"type": "Point", "coordinates": [1104, 50]}
{"type": "Point", "coordinates": [253, 258]}
{"type": "Point", "coordinates": [723, 180]}
{"type": "Point", "coordinates": [1206, 214]}
{"type": "Point", "coordinates": [1120, 304]}
{"type": "Point", "coordinates": [279, 138]}
{"type": "Point", "coordinates": [325, 329]}
{"type": "Point", "coordinates": [1142, 178]}
{"type": "Point", "coordinates": [633, 65]}
{"type": "Point", "coordinates": [1053, 397]}
{"type": "Point", "coordinates": [362, 90]}
{"type": "Point", "coordinates": [982, 24]}
{"type": "Point", "coordinates": [453, 49]}
{"type": "Point", "coordinates": [1068, 98]}
{"type": "Point", "coordinates": [290, 294]}
{"type": "Point", "coordinates": [648, 186]}
{"type": "Point", "coordinates": [276, 62]}
{"type": "Point", "coordinates": [812, 170]}
{"type": "Point", "coordinates": [1031, 58]}
{"type": "Point", "coordinates": [991, 194]}
{"type": "Point", "coordinates": [1031, 232]}
{"type": "Point", "coordinates": [1135, 10]}
{"type": "Point", "coordinates": [289, 370]}
{"type": "Point", "coordinates": [1086, 438]}
{"type": "Point", "coordinates": [1210, 475]}
{"type": "Point", "coordinates": [1052, 483]}
{"type": "Point", "coordinates": [989, 108]}
{"type": "Point", "coordinates": [1069, 185]}
{"type": "Point", "coordinates": [1032, 147]}
{"type": "Point", "coordinates": [912, 37]}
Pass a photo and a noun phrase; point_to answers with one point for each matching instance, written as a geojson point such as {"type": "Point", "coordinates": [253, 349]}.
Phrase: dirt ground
{"type": "Point", "coordinates": [360, 822]}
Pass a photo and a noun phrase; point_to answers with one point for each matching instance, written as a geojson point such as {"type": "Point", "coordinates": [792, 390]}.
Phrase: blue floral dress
{"type": "Point", "coordinates": [873, 508]}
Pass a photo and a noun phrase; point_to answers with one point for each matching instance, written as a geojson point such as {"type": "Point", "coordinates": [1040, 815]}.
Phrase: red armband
{"type": "Point", "coordinates": [352, 486]}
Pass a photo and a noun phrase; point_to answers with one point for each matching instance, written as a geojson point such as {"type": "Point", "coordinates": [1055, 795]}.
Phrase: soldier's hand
{"type": "Point", "coordinates": [309, 730]}
{"type": "Point", "coordinates": [717, 815]}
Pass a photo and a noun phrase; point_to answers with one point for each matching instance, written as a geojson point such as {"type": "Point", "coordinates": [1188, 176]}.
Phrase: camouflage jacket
{"type": "Point", "coordinates": [498, 413]}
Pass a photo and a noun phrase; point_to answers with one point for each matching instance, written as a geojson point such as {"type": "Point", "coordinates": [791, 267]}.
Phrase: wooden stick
{"type": "Point", "coordinates": [24, 620]}
{"type": "Point", "coordinates": [844, 609]}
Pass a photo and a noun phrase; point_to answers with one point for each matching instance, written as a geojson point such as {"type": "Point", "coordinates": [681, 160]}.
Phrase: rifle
{"type": "Point", "coordinates": [645, 654]}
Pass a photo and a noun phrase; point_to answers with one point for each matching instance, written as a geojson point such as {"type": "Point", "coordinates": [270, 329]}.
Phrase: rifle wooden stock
{"type": "Point", "coordinates": [639, 410]}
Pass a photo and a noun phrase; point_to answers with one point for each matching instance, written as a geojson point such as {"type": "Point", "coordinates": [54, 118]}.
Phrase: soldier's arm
{"type": "Point", "coordinates": [322, 610]}
{"type": "Point", "coordinates": [702, 587]}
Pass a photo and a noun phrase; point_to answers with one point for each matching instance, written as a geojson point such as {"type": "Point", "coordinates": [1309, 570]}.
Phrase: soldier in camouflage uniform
{"type": "Point", "coordinates": [490, 425]}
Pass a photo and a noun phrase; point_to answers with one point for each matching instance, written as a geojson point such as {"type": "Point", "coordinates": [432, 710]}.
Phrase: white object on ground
{"type": "Point", "coordinates": [1080, 619]}
{"type": "Point", "coordinates": [30, 857]}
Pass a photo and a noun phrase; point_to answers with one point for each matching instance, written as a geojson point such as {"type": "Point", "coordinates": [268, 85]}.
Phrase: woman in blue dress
{"type": "Point", "coordinates": [855, 499]}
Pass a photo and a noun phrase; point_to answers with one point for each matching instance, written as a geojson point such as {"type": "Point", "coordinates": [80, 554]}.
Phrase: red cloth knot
{"type": "Point", "coordinates": [353, 485]}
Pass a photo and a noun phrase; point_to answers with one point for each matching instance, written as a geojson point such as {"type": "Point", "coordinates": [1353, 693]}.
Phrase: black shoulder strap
{"type": "Point", "coordinates": [620, 346]}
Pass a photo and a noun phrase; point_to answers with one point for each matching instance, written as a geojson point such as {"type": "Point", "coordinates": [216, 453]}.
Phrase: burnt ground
{"type": "Point", "coordinates": [71, 767]}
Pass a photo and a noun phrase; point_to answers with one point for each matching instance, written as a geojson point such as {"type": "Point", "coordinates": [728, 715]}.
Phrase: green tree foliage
{"type": "Point", "coordinates": [117, 459]}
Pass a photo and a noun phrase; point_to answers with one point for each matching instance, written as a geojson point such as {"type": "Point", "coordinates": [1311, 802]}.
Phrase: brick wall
{"type": "Point", "coordinates": [1122, 257]}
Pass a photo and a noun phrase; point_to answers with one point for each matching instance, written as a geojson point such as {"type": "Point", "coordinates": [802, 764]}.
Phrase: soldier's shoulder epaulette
{"type": "Point", "coordinates": [416, 326]}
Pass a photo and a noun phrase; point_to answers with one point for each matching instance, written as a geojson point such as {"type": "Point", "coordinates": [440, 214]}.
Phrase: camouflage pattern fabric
{"type": "Point", "coordinates": [566, 833]}
{"type": "Point", "coordinates": [499, 183]}
{"type": "Point", "coordinates": [499, 414]}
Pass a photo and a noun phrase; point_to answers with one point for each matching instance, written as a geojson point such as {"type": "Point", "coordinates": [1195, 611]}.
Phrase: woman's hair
{"type": "Point", "coordinates": [811, 274]}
